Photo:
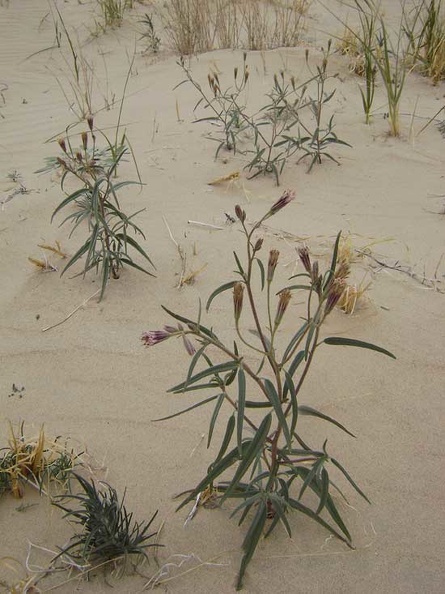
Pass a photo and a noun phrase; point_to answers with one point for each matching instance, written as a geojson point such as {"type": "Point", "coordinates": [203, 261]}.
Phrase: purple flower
{"type": "Point", "coordinates": [286, 197]}
{"type": "Point", "coordinates": [153, 337]}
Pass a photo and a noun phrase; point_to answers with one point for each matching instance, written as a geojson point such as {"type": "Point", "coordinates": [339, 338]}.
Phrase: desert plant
{"type": "Point", "coordinates": [188, 23]}
{"type": "Point", "coordinates": [278, 129]}
{"type": "Point", "coordinates": [260, 379]}
{"type": "Point", "coordinates": [364, 64]}
{"type": "Point", "coordinates": [424, 28]}
{"type": "Point", "coordinates": [109, 532]}
{"type": "Point", "coordinates": [272, 127]}
{"type": "Point", "coordinates": [113, 11]}
{"type": "Point", "coordinates": [318, 135]}
{"type": "Point", "coordinates": [149, 35]}
{"type": "Point", "coordinates": [223, 103]}
{"type": "Point", "coordinates": [34, 461]}
{"type": "Point", "coordinates": [96, 203]}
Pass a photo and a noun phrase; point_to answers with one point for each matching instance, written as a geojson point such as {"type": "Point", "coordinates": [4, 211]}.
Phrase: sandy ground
{"type": "Point", "coordinates": [89, 379]}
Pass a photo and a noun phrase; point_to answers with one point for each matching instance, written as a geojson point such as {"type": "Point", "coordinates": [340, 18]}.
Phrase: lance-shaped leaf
{"type": "Point", "coordinates": [275, 401]}
{"type": "Point", "coordinates": [181, 412]}
{"type": "Point", "coordinates": [215, 416]}
{"type": "Point", "coordinates": [312, 412]}
{"type": "Point", "coordinates": [280, 514]}
{"type": "Point", "coordinates": [329, 504]}
{"type": "Point", "coordinates": [191, 323]}
{"type": "Point", "coordinates": [331, 271]}
{"type": "Point", "coordinates": [215, 470]}
{"type": "Point", "coordinates": [215, 370]}
{"type": "Point", "coordinates": [289, 386]}
{"type": "Point", "coordinates": [241, 404]}
{"type": "Point", "coordinates": [349, 478]}
{"type": "Point", "coordinates": [294, 340]}
{"type": "Point", "coordinates": [221, 289]}
{"type": "Point", "coordinates": [311, 514]}
{"type": "Point", "coordinates": [251, 540]}
{"type": "Point", "coordinates": [226, 439]}
{"type": "Point", "coordinates": [340, 341]}
{"type": "Point", "coordinates": [250, 450]}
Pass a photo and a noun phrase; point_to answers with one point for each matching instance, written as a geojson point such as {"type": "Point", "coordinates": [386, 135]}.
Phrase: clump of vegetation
{"type": "Point", "coordinates": [34, 461]}
{"type": "Point", "coordinates": [108, 531]}
{"type": "Point", "coordinates": [257, 380]}
{"type": "Point", "coordinates": [96, 203]}
{"type": "Point", "coordinates": [149, 35]}
{"type": "Point", "coordinates": [292, 120]}
{"type": "Point", "coordinates": [113, 11]}
{"type": "Point", "coordinates": [201, 25]}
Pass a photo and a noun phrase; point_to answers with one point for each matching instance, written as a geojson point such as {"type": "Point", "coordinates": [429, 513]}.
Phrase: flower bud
{"type": "Point", "coordinates": [335, 292]}
{"type": "Point", "coordinates": [286, 197]}
{"type": "Point", "coordinates": [258, 245]}
{"type": "Point", "coordinates": [84, 140]}
{"type": "Point", "coordinates": [238, 293]}
{"type": "Point", "coordinates": [79, 157]}
{"type": "Point", "coordinates": [90, 122]}
{"type": "Point", "coordinates": [283, 302]}
{"type": "Point", "coordinates": [305, 258]}
{"type": "Point", "coordinates": [273, 261]}
{"type": "Point", "coordinates": [235, 72]}
{"type": "Point", "coordinates": [240, 213]}
{"type": "Point", "coordinates": [62, 144]}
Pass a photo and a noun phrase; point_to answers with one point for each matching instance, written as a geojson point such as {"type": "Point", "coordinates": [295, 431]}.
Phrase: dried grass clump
{"type": "Point", "coordinates": [33, 461]}
{"type": "Point", "coordinates": [197, 26]}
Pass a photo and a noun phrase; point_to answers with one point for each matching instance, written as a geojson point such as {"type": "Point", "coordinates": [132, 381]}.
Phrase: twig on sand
{"type": "Point", "coordinates": [207, 225]}
{"type": "Point", "coordinates": [431, 283]}
{"type": "Point", "coordinates": [181, 253]}
{"type": "Point", "coordinates": [72, 313]}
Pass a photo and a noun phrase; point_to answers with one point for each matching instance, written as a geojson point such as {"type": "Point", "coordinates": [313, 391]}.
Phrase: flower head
{"type": "Point", "coordinates": [272, 264]}
{"type": "Point", "coordinates": [335, 292]}
{"type": "Point", "coordinates": [305, 258]}
{"type": "Point", "coordinates": [285, 198]}
{"type": "Point", "coordinates": [153, 337]}
{"type": "Point", "coordinates": [283, 302]}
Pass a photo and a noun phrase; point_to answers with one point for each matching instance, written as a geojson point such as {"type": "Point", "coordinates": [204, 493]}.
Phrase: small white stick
{"type": "Point", "coordinates": [72, 313]}
{"type": "Point", "coordinates": [207, 225]}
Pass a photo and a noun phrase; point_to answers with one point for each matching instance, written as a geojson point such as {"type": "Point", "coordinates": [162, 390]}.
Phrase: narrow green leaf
{"type": "Point", "coordinates": [311, 514]}
{"type": "Point", "coordinates": [201, 328]}
{"type": "Point", "coordinates": [331, 271]}
{"type": "Point", "coordinates": [215, 370]}
{"type": "Point", "coordinates": [238, 263]}
{"type": "Point", "coordinates": [349, 478]}
{"type": "Point", "coordinates": [289, 384]}
{"type": "Point", "coordinates": [340, 341]}
{"type": "Point", "coordinates": [251, 449]}
{"type": "Point", "coordinates": [181, 412]}
{"type": "Point", "coordinates": [312, 412]}
{"type": "Point", "coordinates": [240, 409]}
{"type": "Point", "coordinates": [262, 272]}
{"type": "Point", "coordinates": [323, 483]}
{"type": "Point", "coordinates": [214, 417]}
{"type": "Point", "coordinates": [221, 289]}
{"type": "Point", "coordinates": [253, 404]}
{"type": "Point", "coordinates": [251, 540]}
{"type": "Point", "coordinates": [226, 439]}
{"type": "Point", "coordinates": [275, 401]}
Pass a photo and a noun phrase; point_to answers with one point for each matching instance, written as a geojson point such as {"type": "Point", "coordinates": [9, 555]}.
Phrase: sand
{"type": "Point", "coordinates": [89, 379]}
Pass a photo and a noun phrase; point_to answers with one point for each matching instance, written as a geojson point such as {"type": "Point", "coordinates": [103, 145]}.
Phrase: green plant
{"type": "Point", "coordinates": [389, 58]}
{"type": "Point", "coordinates": [321, 137]}
{"type": "Point", "coordinates": [149, 35]}
{"type": "Point", "coordinates": [96, 203]}
{"type": "Point", "coordinates": [279, 128]}
{"type": "Point", "coordinates": [109, 532]}
{"type": "Point", "coordinates": [424, 28]}
{"type": "Point", "coordinates": [113, 11]}
{"type": "Point", "coordinates": [224, 104]}
{"type": "Point", "coordinates": [260, 379]}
